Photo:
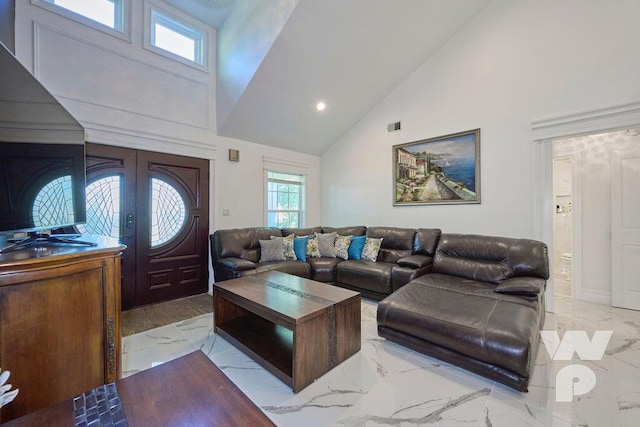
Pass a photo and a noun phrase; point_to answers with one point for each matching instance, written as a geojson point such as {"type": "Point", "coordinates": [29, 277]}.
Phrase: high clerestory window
{"type": "Point", "coordinates": [285, 200]}
{"type": "Point", "coordinates": [105, 12]}
{"type": "Point", "coordinates": [176, 38]}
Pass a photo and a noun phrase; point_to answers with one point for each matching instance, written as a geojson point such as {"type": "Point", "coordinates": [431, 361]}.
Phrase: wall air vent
{"type": "Point", "coordinates": [392, 127]}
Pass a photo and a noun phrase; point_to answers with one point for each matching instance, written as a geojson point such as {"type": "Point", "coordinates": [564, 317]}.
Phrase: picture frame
{"type": "Point", "coordinates": [440, 170]}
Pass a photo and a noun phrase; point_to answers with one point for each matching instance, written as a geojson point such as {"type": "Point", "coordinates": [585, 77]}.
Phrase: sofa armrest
{"type": "Point", "coordinates": [530, 286]}
{"type": "Point", "coordinates": [400, 275]}
{"type": "Point", "coordinates": [236, 264]}
{"type": "Point", "coordinates": [415, 261]}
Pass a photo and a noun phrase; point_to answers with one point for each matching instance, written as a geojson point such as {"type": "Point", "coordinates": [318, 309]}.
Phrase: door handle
{"type": "Point", "coordinates": [130, 223]}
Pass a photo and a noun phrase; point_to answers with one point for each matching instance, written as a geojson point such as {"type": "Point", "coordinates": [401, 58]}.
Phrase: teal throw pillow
{"type": "Point", "coordinates": [356, 246]}
{"type": "Point", "coordinates": [300, 247]}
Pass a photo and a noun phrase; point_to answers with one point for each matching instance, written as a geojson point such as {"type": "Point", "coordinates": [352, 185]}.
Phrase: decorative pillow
{"type": "Point", "coordinates": [300, 245]}
{"type": "Point", "coordinates": [342, 246]}
{"type": "Point", "coordinates": [287, 246]}
{"type": "Point", "coordinates": [312, 246]}
{"type": "Point", "coordinates": [356, 246]}
{"type": "Point", "coordinates": [271, 250]}
{"type": "Point", "coordinates": [326, 244]}
{"type": "Point", "coordinates": [371, 249]}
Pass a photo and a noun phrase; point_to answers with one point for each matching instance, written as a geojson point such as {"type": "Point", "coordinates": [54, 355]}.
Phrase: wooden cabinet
{"type": "Point", "coordinates": [59, 322]}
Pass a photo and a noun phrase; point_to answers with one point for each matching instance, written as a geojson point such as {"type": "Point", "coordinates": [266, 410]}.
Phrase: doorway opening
{"type": "Point", "coordinates": [595, 210]}
{"type": "Point", "coordinates": [562, 224]}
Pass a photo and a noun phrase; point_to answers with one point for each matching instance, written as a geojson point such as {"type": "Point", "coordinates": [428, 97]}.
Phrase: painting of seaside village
{"type": "Point", "coordinates": [444, 170]}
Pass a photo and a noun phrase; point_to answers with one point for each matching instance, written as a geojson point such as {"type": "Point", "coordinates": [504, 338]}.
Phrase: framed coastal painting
{"type": "Point", "coordinates": [440, 170]}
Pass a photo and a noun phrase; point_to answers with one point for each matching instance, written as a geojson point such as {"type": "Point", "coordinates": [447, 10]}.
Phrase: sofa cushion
{"type": "Point", "coordinates": [297, 268]}
{"type": "Point", "coordinates": [426, 241]}
{"type": "Point", "coordinates": [490, 259]}
{"type": "Point", "coordinates": [358, 230]}
{"type": "Point", "coordinates": [342, 246]}
{"type": "Point", "coordinates": [371, 249]}
{"type": "Point", "coordinates": [241, 242]}
{"type": "Point", "coordinates": [300, 245]}
{"type": "Point", "coordinates": [287, 246]}
{"type": "Point", "coordinates": [370, 275]}
{"type": "Point", "coordinates": [271, 250]}
{"type": "Point", "coordinates": [396, 243]}
{"type": "Point", "coordinates": [313, 250]}
{"type": "Point", "coordinates": [301, 231]}
{"type": "Point", "coordinates": [327, 244]}
{"type": "Point", "coordinates": [324, 269]}
{"type": "Point", "coordinates": [468, 317]}
{"type": "Point", "coordinates": [356, 246]}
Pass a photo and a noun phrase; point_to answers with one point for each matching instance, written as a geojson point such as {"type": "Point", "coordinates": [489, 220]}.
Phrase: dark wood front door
{"type": "Point", "coordinates": [158, 205]}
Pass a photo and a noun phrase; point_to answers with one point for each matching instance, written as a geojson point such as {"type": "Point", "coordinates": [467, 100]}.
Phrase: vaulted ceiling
{"type": "Point", "coordinates": [278, 58]}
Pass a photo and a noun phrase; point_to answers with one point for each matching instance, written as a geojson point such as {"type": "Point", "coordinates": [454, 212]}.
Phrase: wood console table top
{"type": "Point", "coordinates": [188, 391]}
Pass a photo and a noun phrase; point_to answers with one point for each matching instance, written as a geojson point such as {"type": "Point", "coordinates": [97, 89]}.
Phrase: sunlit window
{"type": "Point", "coordinates": [177, 38]}
{"type": "Point", "coordinates": [285, 200]}
{"type": "Point", "coordinates": [168, 212]}
{"type": "Point", "coordinates": [105, 12]}
{"type": "Point", "coordinates": [103, 207]}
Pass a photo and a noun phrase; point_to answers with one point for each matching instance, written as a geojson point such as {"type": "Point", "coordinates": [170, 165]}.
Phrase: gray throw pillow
{"type": "Point", "coordinates": [271, 250]}
{"type": "Point", "coordinates": [326, 244]}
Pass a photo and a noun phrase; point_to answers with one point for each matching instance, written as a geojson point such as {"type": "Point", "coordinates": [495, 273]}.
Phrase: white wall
{"type": "Point", "coordinates": [122, 93]}
{"type": "Point", "coordinates": [516, 62]}
{"type": "Point", "coordinates": [128, 96]}
{"type": "Point", "coordinates": [591, 157]}
{"type": "Point", "coordinates": [240, 186]}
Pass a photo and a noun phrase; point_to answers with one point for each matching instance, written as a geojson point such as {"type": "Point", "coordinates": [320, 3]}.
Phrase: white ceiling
{"type": "Point", "coordinates": [212, 12]}
{"type": "Point", "coordinates": [350, 54]}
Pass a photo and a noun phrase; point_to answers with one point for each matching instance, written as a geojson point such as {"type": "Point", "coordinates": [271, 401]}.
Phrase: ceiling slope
{"type": "Point", "coordinates": [349, 54]}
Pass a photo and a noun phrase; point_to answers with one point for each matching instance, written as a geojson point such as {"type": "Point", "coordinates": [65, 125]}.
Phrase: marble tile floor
{"type": "Point", "coordinates": [387, 384]}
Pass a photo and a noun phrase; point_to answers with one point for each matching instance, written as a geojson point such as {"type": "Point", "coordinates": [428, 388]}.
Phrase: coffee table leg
{"type": "Point", "coordinates": [311, 350]}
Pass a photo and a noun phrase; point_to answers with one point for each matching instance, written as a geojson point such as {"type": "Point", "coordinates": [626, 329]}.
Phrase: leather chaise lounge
{"type": "Point", "coordinates": [481, 307]}
{"type": "Point", "coordinates": [474, 301]}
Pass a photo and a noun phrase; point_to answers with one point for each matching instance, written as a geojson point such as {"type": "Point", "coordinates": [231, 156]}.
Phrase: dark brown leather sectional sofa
{"type": "Point", "coordinates": [405, 254]}
{"type": "Point", "coordinates": [474, 301]}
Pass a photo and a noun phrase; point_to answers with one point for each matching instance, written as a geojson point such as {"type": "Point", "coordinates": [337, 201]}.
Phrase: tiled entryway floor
{"type": "Point", "coordinates": [387, 384]}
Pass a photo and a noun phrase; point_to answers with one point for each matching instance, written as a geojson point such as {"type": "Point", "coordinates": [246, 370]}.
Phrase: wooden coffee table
{"type": "Point", "coordinates": [296, 328]}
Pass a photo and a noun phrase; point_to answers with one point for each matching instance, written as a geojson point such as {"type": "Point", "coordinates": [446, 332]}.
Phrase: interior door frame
{"type": "Point", "coordinates": [544, 131]}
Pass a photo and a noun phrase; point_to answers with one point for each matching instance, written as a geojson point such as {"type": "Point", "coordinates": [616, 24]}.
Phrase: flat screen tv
{"type": "Point", "coordinates": [42, 161]}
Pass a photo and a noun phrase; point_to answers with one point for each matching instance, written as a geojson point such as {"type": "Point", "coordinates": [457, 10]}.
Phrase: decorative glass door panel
{"type": "Point", "coordinates": [156, 204]}
{"type": "Point", "coordinates": [103, 207]}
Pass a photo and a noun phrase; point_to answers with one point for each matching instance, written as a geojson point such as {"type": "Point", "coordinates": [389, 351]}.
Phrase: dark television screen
{"type": "Point", "coordinates": [42, 172]}
{"type": "Point", "coordinates": [42, 186]}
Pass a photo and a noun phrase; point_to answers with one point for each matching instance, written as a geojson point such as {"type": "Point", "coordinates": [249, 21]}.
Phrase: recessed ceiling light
{"type": "Point", "coordinates": [320, 106]}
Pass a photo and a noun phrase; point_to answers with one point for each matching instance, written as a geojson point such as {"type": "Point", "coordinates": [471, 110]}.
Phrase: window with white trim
{"type": "Point", "coordinates": [105, 12]}
{"type": "Point", "coordinates": [177, 37]}
{"type": "Point", "coordinates": [285, 200]}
